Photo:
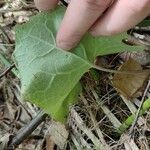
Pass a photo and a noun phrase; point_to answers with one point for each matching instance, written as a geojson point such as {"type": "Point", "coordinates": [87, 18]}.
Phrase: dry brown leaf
{"type": "Point", "coordinates": [58, 134]}
{"type": "Point", "coordinates": [129, 85]}
{"type": "Point", "coordinates": [142, 57]}
{"type": "Point", "coordinates": [49, 143]}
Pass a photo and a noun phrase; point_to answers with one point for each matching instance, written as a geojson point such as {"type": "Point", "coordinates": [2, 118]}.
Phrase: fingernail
{"type": "Point", "coordinates": [64, 45]}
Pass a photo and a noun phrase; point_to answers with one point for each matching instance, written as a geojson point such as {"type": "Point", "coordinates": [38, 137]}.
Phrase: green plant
{"type": "Point", "coordinates": [49, 75]}
{"type": "Point", "coordinates": [129, 120]}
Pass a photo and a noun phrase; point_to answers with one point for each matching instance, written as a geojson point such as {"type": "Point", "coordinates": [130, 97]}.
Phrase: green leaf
{"type": "Point", "coordinates": [144, 23]}
{"type": "Point", "coordinates": [105, 45]}
{"type": "Point", "coordinates": [67, 102]}
{"type": "Point", "coordinates": [49, 75]}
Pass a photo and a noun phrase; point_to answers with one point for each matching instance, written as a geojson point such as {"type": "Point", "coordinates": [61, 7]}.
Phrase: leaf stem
{"type": "Point", "coordinates": [134, 72]}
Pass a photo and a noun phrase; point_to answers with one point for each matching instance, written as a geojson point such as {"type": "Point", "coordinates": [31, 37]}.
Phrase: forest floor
{"type": "Point", "coordinates": [104, 118]}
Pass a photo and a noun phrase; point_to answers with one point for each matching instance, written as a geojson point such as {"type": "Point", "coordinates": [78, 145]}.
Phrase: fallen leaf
{"type": "Point", "coordinates": [130, 85]}
{"type": "Point", "coordinates": [142, 57]}
{"type": "Point", "coordinates": [49, 143]}
{"type": "Point", "coordinates": [58, 134]}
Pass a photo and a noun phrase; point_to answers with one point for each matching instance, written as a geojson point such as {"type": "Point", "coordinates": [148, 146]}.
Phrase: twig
{"type": "Point", "coordinates": [126, 124]}
{"type": "Point", "coordinates": [5, 35]}
{"type": "Point", "coordinates": [142, 30]}
{"type": "Point", "coordinates": [4, 61]}
{"type": "Point", "coordinates": [98, 131]}
{"type": "Point", "coordinates": [7, 70]}
{"type": "Point", "coordinates": [23, 8]}
{"type": "Point", "coordinates": [26, 131]}
{"type": "Point", "coordinates": [139, 109]}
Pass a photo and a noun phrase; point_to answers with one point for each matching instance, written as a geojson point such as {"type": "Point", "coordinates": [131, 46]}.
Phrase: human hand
{"type": "Point", "coordinates": [99, 17]}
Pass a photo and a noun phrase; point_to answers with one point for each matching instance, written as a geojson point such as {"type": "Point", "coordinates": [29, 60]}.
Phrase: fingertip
{"type": "Point", "coordinates": [66, 38]}
{"type": "Point", "coordinates": [122, 16]}
{"type": "Point", "coordinates": [63, 45]}
{"type": "Point", "coordinates": [44, 5]}
{"type": "Point", "coordinates": [79, 17]}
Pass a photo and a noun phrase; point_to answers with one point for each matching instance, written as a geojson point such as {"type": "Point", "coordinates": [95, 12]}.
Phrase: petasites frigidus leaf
{"type": "Point", "coordinates": [49, 75]}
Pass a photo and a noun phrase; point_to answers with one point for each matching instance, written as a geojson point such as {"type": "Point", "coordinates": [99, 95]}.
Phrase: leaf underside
{"type": "Point", "coordinates": [49, 75]}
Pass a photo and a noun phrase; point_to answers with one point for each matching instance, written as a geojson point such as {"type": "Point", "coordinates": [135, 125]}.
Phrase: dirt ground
{"type": "Point", "coordinates": [93, 123]}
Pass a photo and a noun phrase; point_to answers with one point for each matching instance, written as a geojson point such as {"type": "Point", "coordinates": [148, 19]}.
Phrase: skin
{"type": "Point", "coordinates": [99, 17]}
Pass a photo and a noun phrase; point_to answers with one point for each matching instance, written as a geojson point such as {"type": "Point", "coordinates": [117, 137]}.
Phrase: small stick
{"type": "Point", "coordinates": [5, 35]}
{"type": "Point", "coordinates": [26, 131]}
{"type": "Point", "coordinates": [139, 109]}
{"type": "Point", "coordinates": [7, 70]}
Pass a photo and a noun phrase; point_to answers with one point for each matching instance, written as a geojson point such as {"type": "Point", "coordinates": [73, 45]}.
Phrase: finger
{"type": "Point", "coordinates": [79, 17]}
{"type": "Point", "coordinates": [45, 4]}
{"type": "Point", "coordinates": [122, 15]}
